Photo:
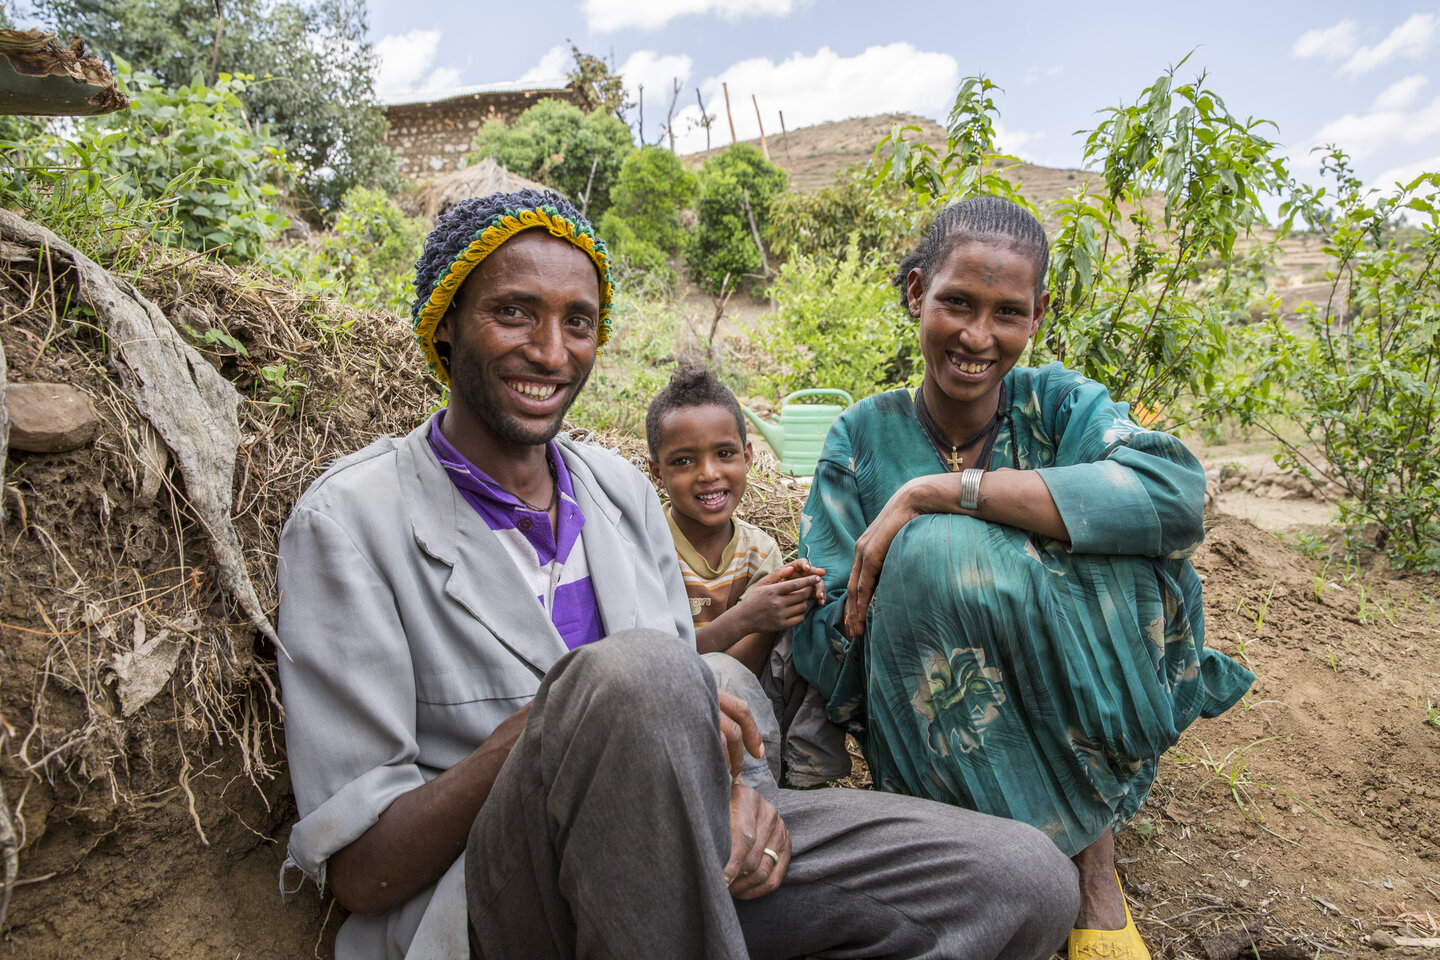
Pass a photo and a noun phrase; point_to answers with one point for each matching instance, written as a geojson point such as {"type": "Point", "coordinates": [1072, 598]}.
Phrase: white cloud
{"type": "Point", "coordinates": [812, 89]}
{"type": "Point", "coordinates": [657, 72]}
{"type": "Point", "coordinates": [1037, 73]}
{"type": "Point", "coordinates": [1399, 95]}
{"type": "Point", "coordinates": [1404, 174]}
{"type": "Point", "coordinates": [406, 66]}
{"type": "Point", "coordinates": [1018, 143]}
{"type": "Point", "coordinates": [1332, 43]}
{"type": "Point", "coordinates": [553, 66]}
{"type": "Point", "coordinates": [1365, 135]}
{"type": "Point", "coordinates": [1411, 40]}
{"type": "Point", "coordinates": [605, 16]}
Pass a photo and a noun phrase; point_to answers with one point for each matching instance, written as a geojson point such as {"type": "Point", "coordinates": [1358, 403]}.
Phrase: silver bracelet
{"type": "Point", "coordinates": [970, 489]}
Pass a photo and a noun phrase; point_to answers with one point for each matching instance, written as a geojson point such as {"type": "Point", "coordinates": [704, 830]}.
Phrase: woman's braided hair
{"type": "Point", "coordinates": [470, 231]}
{"type": "Point", "coordinates": [978, 220]}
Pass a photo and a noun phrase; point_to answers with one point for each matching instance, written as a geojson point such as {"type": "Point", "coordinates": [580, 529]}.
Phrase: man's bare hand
{"type": "Point", "coordinates": [759, 845]}
{"type": "Point", "coordinates": [739, 733]}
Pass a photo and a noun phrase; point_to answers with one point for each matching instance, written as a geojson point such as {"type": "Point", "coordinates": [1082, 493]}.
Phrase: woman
{"type": "Point", "coordinates": [1023, 637]}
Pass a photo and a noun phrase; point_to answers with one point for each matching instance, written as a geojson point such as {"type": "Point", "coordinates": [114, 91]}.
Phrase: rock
{"type": "Point", "coordinates": [1381, 940]}
{"type": "Point", "coordinates": [49, 417]}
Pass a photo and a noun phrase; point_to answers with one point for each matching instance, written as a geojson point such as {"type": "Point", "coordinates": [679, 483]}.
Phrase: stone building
{"type": "Point", "coordinates": [431, 137]}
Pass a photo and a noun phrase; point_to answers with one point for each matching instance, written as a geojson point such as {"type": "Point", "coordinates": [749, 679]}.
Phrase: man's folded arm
{"type": "Point", "coordinates": [370, 826]}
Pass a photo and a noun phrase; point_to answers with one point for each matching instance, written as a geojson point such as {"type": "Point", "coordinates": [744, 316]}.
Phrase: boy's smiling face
{"type": "Point", "coordinates": [701, 462]}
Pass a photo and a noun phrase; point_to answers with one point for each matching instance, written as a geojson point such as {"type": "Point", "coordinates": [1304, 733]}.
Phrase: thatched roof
{"type": "Point", "coordinates": [476, 180]}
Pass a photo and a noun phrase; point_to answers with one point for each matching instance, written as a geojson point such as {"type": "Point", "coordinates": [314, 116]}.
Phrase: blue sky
{"type": "Point", "coordinates": [1366, 76]}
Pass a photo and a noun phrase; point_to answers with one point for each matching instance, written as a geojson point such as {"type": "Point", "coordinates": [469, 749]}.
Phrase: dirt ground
{"type": "Point", "coordinates": [1312, 808]}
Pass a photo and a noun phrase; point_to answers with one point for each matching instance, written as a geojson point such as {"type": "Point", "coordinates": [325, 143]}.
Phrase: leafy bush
{"type": "Point", "coordinates": [193, 144]}
{"type": "Point", "coordinates": [836, 324]}
{"type": "Point", "coordinates": [1363, 381]}
{"type": "Point", "coordinates": [558, 144]}
{"type": "Point", "coordinates": [723, 244]}
{"type": "Point", "coordinates": [316, 69]}
{"type": "Point", "coordinates": [652, 189]}
{"type": "Point", "coordinates": [1141, 285]}
{"type": "Point", "coordinates": [637, 255]}
{"type": "Point", "coordinates": [882, 223]}
{"type": "Point", "coordinates": [50, 181]}
{"type": "Point", "coordinates": [367, 258]}
{"type": "Point", "coordinates": [181, 161]}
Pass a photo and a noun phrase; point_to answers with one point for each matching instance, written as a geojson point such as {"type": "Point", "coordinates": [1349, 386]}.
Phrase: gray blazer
{"type": "Point", "coordinates": [411, 636]}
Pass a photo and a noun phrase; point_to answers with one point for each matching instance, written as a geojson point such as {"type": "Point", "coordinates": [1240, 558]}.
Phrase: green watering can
{"type": "Point", "coordinates": [800, 434]}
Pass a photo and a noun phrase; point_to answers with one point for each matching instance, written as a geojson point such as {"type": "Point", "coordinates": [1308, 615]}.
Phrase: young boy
{"type": "Point", "coordinates": [743, 600]}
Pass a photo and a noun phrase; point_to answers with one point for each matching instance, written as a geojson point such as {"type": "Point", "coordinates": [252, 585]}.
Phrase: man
{"type": "Point", "coordinates": [492, 646]}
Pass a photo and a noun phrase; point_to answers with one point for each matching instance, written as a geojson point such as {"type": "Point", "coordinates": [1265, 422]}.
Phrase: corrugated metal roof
{"type": "Point", "coordinates": [556, 85]}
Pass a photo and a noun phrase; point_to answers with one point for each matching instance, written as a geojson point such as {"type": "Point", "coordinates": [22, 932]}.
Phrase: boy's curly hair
{"type": "Point", "coordinates": [691, 385]}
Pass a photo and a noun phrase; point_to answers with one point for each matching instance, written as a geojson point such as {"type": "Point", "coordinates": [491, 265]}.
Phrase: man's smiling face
{"type": "Point", "coordinates": [522, 339]}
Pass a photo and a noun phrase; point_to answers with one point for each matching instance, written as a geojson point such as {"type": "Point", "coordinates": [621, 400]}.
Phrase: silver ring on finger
{"type": "Point", "coordinates": [774, 857]}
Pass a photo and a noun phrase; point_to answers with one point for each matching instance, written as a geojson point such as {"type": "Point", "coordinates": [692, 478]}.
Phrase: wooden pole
{"type": "Point", "coordinates": [705, 121]}
{"type": "Point", "coordinates": [215, 54]}
{"type": "Point", "coordinates": [755, 232]}
{"type": "Point", "coordinates": [728, 115]}
{"type": "Point", "coordinates": [764, 147]}
{"type": "Point", "coordinates": [784, 135]}
{"type": "Point", "coordinates": [585, 204]}
{"type": "Point", "coordinates": [670, 115]}
{"type": "Point", "coordinates": [642, 113]}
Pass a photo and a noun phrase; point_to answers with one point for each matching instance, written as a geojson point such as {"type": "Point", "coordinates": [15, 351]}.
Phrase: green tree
{"type": "Point", "coordinates": [602, 89]}
{"type": "Point", "coordinates": [563, 147]}
{"type": "Point", "coordinates": [635, 254]}
{"type": "Point", "coordinates": [736, 187]}
{"type": "Point", "coordinates": [837, 323]}
{"type": "Point", "coordinates": [1362, 381]}
{"type": "Point", "coordinates": [651, 190]}
{"type": "Point", "coordinates": [883, 224]}
{"type": "Point", "coordinates": [315, 73]}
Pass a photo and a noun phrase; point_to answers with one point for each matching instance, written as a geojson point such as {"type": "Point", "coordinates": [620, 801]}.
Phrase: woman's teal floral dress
{"type": "Point", "coordinates": [1000, 670]}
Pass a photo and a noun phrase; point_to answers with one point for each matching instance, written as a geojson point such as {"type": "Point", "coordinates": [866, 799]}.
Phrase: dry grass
{"type": "Point", "coordinates": [101, 548]}
{"type": "Point", "coordinates": [103, 551]}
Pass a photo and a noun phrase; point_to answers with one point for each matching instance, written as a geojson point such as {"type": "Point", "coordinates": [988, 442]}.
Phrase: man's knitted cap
{"type": "Point", "coordinates": [473, 229]}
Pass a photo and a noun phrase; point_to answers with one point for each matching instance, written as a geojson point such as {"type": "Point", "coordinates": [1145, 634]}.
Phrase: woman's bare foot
{"type": "Point", "coordinates": [1102, 905]}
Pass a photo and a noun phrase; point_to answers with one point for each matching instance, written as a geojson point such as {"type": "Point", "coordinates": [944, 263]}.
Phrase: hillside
{"type": "Point", "coordinates": [814, 156]}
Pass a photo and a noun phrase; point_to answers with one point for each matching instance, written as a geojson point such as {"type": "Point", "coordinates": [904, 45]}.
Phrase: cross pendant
{"type": "Point", "coordinates": [954, 461]}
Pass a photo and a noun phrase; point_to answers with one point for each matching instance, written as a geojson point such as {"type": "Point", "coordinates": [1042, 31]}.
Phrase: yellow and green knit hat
{"type": "Point", "coordinates": [472, 230]}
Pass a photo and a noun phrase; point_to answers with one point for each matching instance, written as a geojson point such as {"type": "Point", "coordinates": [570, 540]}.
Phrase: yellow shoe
{"type": "Point", "coordinates": [1122, 944]}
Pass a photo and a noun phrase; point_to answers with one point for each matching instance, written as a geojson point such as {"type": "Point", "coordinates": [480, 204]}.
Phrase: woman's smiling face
{"type": "Point", "coordinates": [977, 312]}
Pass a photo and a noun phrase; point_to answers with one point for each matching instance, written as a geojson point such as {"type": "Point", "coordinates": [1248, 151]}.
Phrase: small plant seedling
{"type": "Point", "coordinates": [1432, 714]}
{"type": "Point", "coordinates": [1147, 829]}
{"type": "Point", "coordinates": [1331, 659]}
{"type": "Point", "coordinates": [1241, 645]}
{"type": "Point", "coordinates": [285, 393]}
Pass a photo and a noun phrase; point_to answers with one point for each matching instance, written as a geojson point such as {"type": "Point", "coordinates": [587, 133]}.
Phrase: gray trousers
{"type": "Point", "coordinates": [606, 832]}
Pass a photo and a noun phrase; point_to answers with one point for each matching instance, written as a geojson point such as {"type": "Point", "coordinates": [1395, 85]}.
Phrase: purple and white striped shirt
{"type": "Point", "coordinates": [547, 558]}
